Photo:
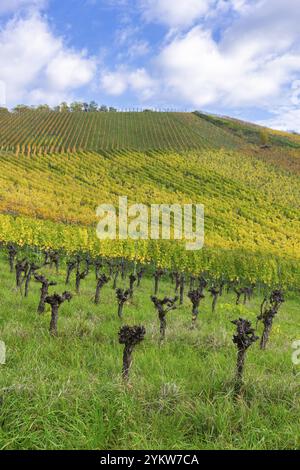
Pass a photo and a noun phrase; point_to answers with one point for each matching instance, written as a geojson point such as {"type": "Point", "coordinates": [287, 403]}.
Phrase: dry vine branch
{"type": "Point", "coordinates": [176, 278]}
{"type": "Point", "coordinates": [102, 280]}
{"type": "Point", "coordinates": [157, 275]}
{"type": "Point", "coordinates": [32, 268]}
{"type": "Point", "coordinates": [98, 265]}
{"type": "Point", "coordinates": [195, 297]}
{"type": "Point", "coordinates": [71, 266]}
{"type": "Point", "coordinates": [163, 306]}
{"type": "Point", "coordinates": [123, 268]}
{"type": "Point", "coordinates": [22, 267]}
{"type": "Point", "coordinates": [12, 253]}
{"type": "Point", "coordinates": [181, 288]}
{"type": "Point", "coordinates": [44, 290]}
{"type": "Point", "coordinates": [267, 314]}
{"type": "Point", "coordinates": [202, 284]}
{"type": "Point", "coordinates": [140, 274]}
{"type": "Point", "coordinates": [122, 297]}
{"type": "Point", "coordinates": [215, 294]}
{"type": "Point", "coordinates": [130, 336]}
{"type": "Point", "coordinates": [80, 275]}
{"type": "Point", "coordinates": [56, 301]}
{"type": "Point", "coordinates": [110, 265]}
{"type": "Point", "coordinates": [132, 280]}
{"type": "Point", "coordinates": [192, 282]}
{"type": "Point", "coordinates": [116, 275]}
{"type": "Point", "coordinates": [54, 259]}
{"type": "Point", "coordinates": [244, 338]}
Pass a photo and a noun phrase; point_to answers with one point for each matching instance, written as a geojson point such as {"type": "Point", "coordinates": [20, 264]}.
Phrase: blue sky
{"type": "Point", "coordinates": [233, 57]}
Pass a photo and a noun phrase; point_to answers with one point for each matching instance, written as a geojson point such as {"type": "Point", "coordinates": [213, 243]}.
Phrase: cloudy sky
{"type": "Point", "coordinates": [233, 57]}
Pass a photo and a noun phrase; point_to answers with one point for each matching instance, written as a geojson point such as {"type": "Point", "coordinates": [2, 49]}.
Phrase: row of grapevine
{"type": "Point", "coordinates": [248, 204]}
{"type": "Point", "coordinates": [231, 264]}
{"type": "Point", "coordinates": [39, 133]}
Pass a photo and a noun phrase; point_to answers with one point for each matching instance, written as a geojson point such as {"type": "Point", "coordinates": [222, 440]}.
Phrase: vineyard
{"type": "Point", "coordinates": [251, 207]}
{"type": "Point", "coordinates": [39, 133]}
{"type": "Point", "coordinates": [69, 390]}
{"type": "Point", "coordinates": [141, 343]}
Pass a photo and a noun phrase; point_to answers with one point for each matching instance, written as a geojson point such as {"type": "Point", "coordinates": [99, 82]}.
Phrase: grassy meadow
{"type": "Point", "coordinates": [67, 392]}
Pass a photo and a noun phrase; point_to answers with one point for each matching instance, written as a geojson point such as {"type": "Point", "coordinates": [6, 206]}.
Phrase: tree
{"type": "Point", "coordinates": [64, 107]}
{"type": "Point", "coordinates": [43, 107]}
{"type": "Point", "coordinates": [76, 107]}
{"type": "Point", "coordinates": [21, 108]}
{"type": "Point", "coordinates": [93, 107]}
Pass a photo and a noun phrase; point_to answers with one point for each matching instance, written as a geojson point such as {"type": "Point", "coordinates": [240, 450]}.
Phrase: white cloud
{"type": "Point", "coordinates": [251, 63]}
{"type": "Point", "coordinates": [69, 70]}
{"type": "Point", "coordinates": [12, 6]}
{"type": "Point", "coordinates": [114, 83]}
{"type": "Point", "coordinates": [285, 119]}
{"type": "Point", "coordinates": [201, 71]}
{"type": "Point", "coordinates": [175, 13]}
{"type": "Point", "coordinates": [35, 63]}
{"type": "Point", "coordinates": [132, 45]}
{"type": "Point", "coordinates": [122, 80]}
{"type": "Point", "coordinates": [247, 59]}
{"type": "Point", "coordinates": [184, 13]}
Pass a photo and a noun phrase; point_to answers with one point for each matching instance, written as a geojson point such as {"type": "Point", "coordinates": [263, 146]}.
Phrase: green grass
{"type": "Point", "coordinates": [67, 392]}
{"type": "Point", "coordinates": [251, 133]}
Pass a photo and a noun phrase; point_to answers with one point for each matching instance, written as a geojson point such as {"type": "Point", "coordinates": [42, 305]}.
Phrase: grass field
{"type": "Point", "coordinates": [66, 392]}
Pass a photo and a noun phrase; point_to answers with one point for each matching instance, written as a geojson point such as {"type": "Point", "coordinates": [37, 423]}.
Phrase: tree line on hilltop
{"type": "Point", "coordinates": [76, 106]}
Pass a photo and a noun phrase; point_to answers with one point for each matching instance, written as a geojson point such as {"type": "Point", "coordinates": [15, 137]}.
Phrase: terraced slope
{"type": "Point", "coordinates": [40, 132]}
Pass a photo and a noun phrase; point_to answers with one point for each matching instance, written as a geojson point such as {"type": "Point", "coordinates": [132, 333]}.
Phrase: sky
{"type": "Point", "coordinates": [239, 58]}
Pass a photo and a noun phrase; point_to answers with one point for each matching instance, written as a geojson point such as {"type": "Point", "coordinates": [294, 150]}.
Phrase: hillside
{"type": "Point", "coordinates": [251, 195]}
{"type": "Point", "coordinates": [250, 132]}
{"type": "Point", "coordinates": [49, 132]}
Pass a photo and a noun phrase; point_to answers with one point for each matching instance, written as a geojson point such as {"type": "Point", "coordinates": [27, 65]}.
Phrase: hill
{"type": "Point", "coordinates": [251, 195]}
{"type": "Point", "coordinates": [251, 133]}
{"type": "Point", "coordinates": [48, 132]}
